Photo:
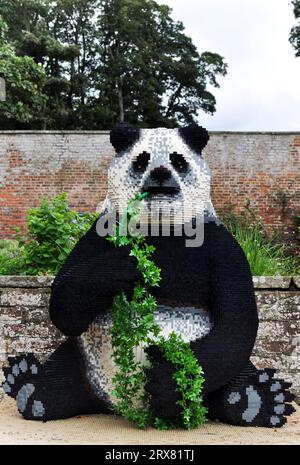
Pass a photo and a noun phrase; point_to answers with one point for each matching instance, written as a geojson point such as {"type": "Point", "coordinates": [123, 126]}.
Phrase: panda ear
{"type": "Point", "coordinates": [196, 137]}
{"type": "Point", "coordinates": [123, 136]}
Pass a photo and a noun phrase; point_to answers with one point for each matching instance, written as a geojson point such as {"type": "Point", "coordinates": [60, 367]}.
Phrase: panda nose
{"type": "Point", "coordinates": [160, 174]}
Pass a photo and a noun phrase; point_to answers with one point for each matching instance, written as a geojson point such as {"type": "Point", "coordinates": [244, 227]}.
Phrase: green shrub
{"type": "Point", "coordinates": [53, 230]}
{"type": "Point", "coordinates": [264, 257]}
{"type": "Point", "coordinates": [267, 256]}
{"type": "Point", "coordinates": [11, 257]}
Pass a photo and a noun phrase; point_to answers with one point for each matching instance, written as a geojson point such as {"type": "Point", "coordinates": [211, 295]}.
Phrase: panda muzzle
{"type": "Point", "coordinates": [161, 182]}
{"type": "Point", "coordinates": [161, 190]}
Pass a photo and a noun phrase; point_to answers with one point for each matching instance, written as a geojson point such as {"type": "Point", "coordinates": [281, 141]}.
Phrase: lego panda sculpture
{"type": "Point", "coordinates": [206, 295]}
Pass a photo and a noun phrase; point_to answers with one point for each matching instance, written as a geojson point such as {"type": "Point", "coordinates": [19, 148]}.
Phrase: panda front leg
{"type": "Point", "coordinates": [55, 390]}
{"type": "Point", "coordinates": [254, 398]}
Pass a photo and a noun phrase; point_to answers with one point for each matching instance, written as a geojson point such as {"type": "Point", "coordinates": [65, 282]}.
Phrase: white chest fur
{"type": "Point", "coordinates": [95, 344]}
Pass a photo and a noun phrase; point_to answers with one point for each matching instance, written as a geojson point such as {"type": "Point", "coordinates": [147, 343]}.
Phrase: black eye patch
{"type": "Point", "coordinates": [141, 163]}
{"type": "Point", "coordinates": [179, 162]}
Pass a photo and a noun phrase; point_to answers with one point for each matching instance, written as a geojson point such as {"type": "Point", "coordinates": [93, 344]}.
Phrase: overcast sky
{"type": "Point", "coordinates": [261, 91]}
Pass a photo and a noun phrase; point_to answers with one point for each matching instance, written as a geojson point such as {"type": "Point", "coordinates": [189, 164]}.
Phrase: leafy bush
{"type": "Point", "coordinates": [11, 257]}
{"type": "Point", "coordinates": [266, 255]}
{"type": "Point", "coordinates": [53, 231]}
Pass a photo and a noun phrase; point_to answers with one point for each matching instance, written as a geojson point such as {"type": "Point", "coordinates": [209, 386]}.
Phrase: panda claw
{"type": "Point", "coordinates": [271, 372]}
{"type": "Point", "coordinates": [289, 409]}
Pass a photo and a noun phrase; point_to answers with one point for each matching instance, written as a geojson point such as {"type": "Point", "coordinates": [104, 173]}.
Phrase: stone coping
{"type": "Point", "coordinates": [26, 281]}
{"type": "Point", "coordinates": [272, 282]}
{"type": "Point", "coordinates": [106, 131]}
{"type": "Point", "coordinates": [260, 282]}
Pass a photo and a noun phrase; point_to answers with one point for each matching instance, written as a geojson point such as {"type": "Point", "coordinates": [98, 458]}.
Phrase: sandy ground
{"type": "Point", "coordinates": [110, 430]}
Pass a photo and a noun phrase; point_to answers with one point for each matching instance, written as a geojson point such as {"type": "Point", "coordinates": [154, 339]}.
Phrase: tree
{"type": "Point", "coordinates": [151, 71]}
{"type": "Point", "coordinates": [75, 28]}
{"type": "Point", "coordinates": [35, 28]}
{"type": "Point", "coordinates": [110, 60]}
{"type": "Point", "coordinates": [295, 32]}
{"type": "Point", "coordinates": [24, 85]}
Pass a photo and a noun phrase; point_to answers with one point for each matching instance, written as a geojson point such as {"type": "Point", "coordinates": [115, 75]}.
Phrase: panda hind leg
{"type": "Point", "coordinates": [253, 398]}
{"type": "Point", "coordinates": [55, 390]}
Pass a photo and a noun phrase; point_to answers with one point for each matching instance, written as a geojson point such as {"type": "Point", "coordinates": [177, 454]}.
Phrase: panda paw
{"type": "Point", "coordinates": [22, 384]}
{"type": "Point", "coordinates": [261, 400]}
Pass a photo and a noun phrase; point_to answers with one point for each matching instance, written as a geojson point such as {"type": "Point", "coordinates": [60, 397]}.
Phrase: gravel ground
{"type": "Point", "coordinates": [110, 430]}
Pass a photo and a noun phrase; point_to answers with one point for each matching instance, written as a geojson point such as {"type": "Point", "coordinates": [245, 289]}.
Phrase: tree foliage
{"type": "Point", "coordinates": [295, 32]}
{"type": "Point", "coordinates": [24, 79]}
{"type": "Point", "coordinates": [150, 67]}
{"type": "Point", "coordinates": [110, 60]}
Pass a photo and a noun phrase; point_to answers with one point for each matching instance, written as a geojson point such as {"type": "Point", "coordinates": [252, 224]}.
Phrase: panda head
{"type": "Point", "coordinates": [166, 163]}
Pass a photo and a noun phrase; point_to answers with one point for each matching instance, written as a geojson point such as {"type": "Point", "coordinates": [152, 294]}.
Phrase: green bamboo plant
{"type": "Point", "coordinates": [134, 325]}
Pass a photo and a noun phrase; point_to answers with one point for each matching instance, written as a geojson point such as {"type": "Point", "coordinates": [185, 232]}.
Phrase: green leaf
{"type": "Point", "coordinates": [133, 324]}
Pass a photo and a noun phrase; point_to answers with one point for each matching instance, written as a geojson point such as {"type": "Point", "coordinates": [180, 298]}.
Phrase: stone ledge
{"type": "Point", "coordinates": [260, 282]}
{"type": "Point", "coordinates": [26, 281]}
{"type": "Point", "coordinates": [25, 324]}
{"type": "Point", "coordinates": [272, 282]}
{"type": "Point", "coordinates": [106, 131]}
{"type": "Point", "coordinates": [296, 281]}
{"type": "Point", "coordinates": [54, 131]}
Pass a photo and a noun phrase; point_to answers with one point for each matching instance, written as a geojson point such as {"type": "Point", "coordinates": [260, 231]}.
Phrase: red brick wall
{"type": "Point", "coordinates": [260, 167]}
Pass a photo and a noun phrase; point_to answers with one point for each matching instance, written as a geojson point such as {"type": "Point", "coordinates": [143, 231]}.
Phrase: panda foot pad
{"type": "Point", "coordinates": [21, 384]}
{"type": "Point", "coordinates": [261, 400]}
